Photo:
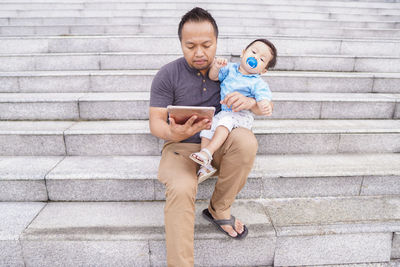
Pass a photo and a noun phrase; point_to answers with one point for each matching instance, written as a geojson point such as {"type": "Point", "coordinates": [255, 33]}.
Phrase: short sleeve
{"type": "Point", "coordinates": [162, 91]}
{"type": "Point", "coordinates": [261, 91]}
{"type": "Point", "coordinates": [223, 72]}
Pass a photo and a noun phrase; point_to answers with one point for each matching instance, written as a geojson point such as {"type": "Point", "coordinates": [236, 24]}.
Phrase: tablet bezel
{"type": "Point", "coordinates": [182, 113]}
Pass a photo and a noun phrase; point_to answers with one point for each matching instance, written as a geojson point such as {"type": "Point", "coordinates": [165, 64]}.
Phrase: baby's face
{"type": "Point", "coordinates": [255, 59]}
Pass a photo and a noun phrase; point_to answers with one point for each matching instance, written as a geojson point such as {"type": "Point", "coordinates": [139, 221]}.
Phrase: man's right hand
{"type": "Point", "coordinates": [179, 132]}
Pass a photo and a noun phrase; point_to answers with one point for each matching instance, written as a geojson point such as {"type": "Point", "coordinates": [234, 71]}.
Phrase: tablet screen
{"type": "Point", "coordinates": [182, 113]}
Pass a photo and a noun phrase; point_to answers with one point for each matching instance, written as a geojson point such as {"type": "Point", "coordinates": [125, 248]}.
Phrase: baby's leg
{"type": "Point", "coordinates": [220, 135]}
{"type": "Point", "coordinates": [204, 142]}
{"type": "Point", "coordinates": [213, 141]}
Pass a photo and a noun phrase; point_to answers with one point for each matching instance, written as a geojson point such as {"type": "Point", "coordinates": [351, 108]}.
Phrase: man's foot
{"type": "Point", "coordinates": [231, 231]}
{"type": "Point", "coordinates": [228, 226]}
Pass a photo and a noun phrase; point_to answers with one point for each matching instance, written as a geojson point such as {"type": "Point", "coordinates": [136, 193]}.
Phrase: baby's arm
{"type": "Point", "coordinates": [217, 64]}
{"type": "Point", "coordinates": [265, 107]}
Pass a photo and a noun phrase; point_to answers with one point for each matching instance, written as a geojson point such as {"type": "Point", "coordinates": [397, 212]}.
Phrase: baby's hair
{"type": "Point", "coordinates": [197, 14]}
{"type": "Point", "coordinates": [272, 62]}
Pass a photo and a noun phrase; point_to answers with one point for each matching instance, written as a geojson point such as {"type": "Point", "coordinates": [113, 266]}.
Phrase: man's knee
{"type": "Point", "coordinates": [243, 142]}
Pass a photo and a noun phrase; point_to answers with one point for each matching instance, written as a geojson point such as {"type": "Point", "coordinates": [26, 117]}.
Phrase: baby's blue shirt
{"type": "Point", "coordinates": [249, 85]}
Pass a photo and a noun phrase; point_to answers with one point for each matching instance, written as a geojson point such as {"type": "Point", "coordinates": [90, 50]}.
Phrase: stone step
{"type": "Point", "coordinates": [134, 178]}
{"type": "Point", "coordinates": [140, 61]}
{"type": "Point", "coordinates": [130, 137]}
{"type": "Point", "coordinates": [257, 13]}
{"type": "Point", "coordinates": [134, 105]}
{"type": "Point", "coordinates": [140, 81]}
{"type": "Point", "coordinates": [330, 3]}
{"type": "Point", "coordinates": [128, 20]}
{"type": "Point", "coordinates": [298, 7]}
{"type": "Point", "coordinates": [282, 232]}
{"type": "Point", "coordinates": [171, 44]}
{"type": "Point", "coordinates": [150, 29]}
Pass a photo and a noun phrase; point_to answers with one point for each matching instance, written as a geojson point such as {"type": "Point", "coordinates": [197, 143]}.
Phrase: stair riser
{"type": "Point", "coordinates": [171, 45]}
{"type": "Point", "coordinates": [171, 30]}
{"type": "Point", "coordinates": [146, 144]}
{"type": "Point", "coordinates": [180, 12]}
{"type": "Point", "coordinates": [396, 246]}
{"type": "Point", "coordinates": [151, 189]}
{"type": "Point", "coordinates": [276, 23]}
{"type": "Point", "coordinates": [150, 61]}
{"type": "Point", "coordinates": [136, 253]}
{"type": "Point", "coordinates": [11, 253]}
{"type": "Point", "coordinates": [306, 250]}
{"type": "Point", "coordinates": [133, 110]}
{"type": "Point", "coordinates": [343, 3]}
{"type": "Point", "coordinates": [69, 83]}
{"type": "Point", "coordinates": [133, 235]}
{"type": "Point", "coordinates": [124, 250]}
{"type": "Point", "coordinates": [211, 7]}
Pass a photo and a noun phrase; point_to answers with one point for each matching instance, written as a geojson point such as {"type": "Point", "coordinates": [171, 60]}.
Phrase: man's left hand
{"type": "Point", "coordinates": [237, 102]}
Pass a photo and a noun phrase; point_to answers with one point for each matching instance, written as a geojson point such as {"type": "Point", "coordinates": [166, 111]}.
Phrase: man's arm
{"type": "Point", "coordinates": [237, 102]}
{"type": "Point", "coordinates": [173, 132]}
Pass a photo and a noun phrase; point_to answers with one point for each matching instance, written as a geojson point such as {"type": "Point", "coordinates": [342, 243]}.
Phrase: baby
{"type": "Point", "coordinates": [243, 77]}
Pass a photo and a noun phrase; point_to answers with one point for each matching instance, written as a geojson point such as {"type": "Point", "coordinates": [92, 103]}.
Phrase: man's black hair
{"type": "Point", "coordinates": [274, 53]}
{"type": "Point", "coordinates": [197, 14]}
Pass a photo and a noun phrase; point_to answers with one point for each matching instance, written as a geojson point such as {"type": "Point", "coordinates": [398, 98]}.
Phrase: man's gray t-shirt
{"type": "Point", "coordinates": [176, 83]}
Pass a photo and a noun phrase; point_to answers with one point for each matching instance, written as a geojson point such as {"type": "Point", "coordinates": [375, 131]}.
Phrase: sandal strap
{"type": "Point", "coordinates": [205, 169]}
{"type": "Point", "coordinates": [230, 222]}
{"type": "Point", "coordinates": [201, 170]}
{"type": "Point", "coordinates": [209, 167]}
{"type": "Point", "coordinates": [208, 153]}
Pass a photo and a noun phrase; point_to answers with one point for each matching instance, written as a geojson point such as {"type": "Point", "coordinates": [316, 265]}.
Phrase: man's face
{"type": "Point", "coordinates": [199, 44]}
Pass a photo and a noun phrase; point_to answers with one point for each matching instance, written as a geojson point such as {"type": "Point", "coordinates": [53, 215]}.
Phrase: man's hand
{"type": "Point", "coordinates": [179, 132]}
{"type": "Point", "coordinates": [237, 102]}
{"type": "Point", "coordinates": [265, 107]}
{"type": "Point", "coordinates": [172, 131]}
{"type": "Point", "coordinates": [220, 62]}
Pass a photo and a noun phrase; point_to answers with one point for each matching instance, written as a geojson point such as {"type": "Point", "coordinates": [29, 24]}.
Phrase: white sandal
{"type": "Point", "coordinates": [200, 159]}
{"type": "Point", "coordinates": [205, 172]}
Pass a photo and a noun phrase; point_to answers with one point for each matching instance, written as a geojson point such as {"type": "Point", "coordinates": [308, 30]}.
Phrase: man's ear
{"type": "Point", "coordinates": [242, 53]}
{"type": "Point", "coordinates": [264, 71]}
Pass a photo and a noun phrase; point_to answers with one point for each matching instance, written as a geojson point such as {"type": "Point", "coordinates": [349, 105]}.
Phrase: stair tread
{"type": "Point", "coordinates": [142, 127]}
{"type": "Point", "coordinates": [20, 168]}
{"type": "Point", "coordinates": [145, 220]}
{"type": "Point", "coordinates": [135, 53]}
{"type": "Point", "coordinates": [154, 71]}
{"type": "Point", "coordinates": [145, 96]}
{"type": "Point", "coordinates": [221, 37]}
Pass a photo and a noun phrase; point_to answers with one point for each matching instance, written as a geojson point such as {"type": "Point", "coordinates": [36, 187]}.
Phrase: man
{"type": "Point", "coordinates": [185, 82]}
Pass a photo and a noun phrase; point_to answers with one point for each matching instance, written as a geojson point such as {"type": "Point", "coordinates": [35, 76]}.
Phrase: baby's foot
{"type": "Point", "coordinates": [204, 157]}
{"type": "Point", "coordinates": [205, 172]}
{"type": "Point", "coordinates": [200, 156]}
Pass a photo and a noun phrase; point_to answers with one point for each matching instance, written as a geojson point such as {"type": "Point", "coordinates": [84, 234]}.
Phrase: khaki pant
{"type": "Point", "coordinates": [177, 171]}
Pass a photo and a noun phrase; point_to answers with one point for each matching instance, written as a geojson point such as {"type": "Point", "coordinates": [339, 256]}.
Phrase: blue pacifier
{"type": "Point", "coordinates": [252, 62]}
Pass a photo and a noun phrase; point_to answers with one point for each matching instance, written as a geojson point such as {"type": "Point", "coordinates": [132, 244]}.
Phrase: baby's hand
{"type": "Point", "coordinates": [220, 62]}
{"type": "Point", "coordinates": [265, 106]}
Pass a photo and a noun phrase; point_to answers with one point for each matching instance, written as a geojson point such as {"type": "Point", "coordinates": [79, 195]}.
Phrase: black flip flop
{"type": "Point", "coordinates": [207, 215]}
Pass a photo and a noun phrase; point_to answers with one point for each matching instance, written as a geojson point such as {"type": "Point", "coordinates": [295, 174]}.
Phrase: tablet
{"type": "Point", "coordinates": [182, 113]}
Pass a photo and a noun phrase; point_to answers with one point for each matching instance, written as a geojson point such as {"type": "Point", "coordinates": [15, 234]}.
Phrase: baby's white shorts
{"type": "Point", "coordinates": [230, 120]}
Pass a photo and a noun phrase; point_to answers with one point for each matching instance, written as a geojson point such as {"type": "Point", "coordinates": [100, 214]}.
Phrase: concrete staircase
{"type": "Point", "coordinates": [78, 164]}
